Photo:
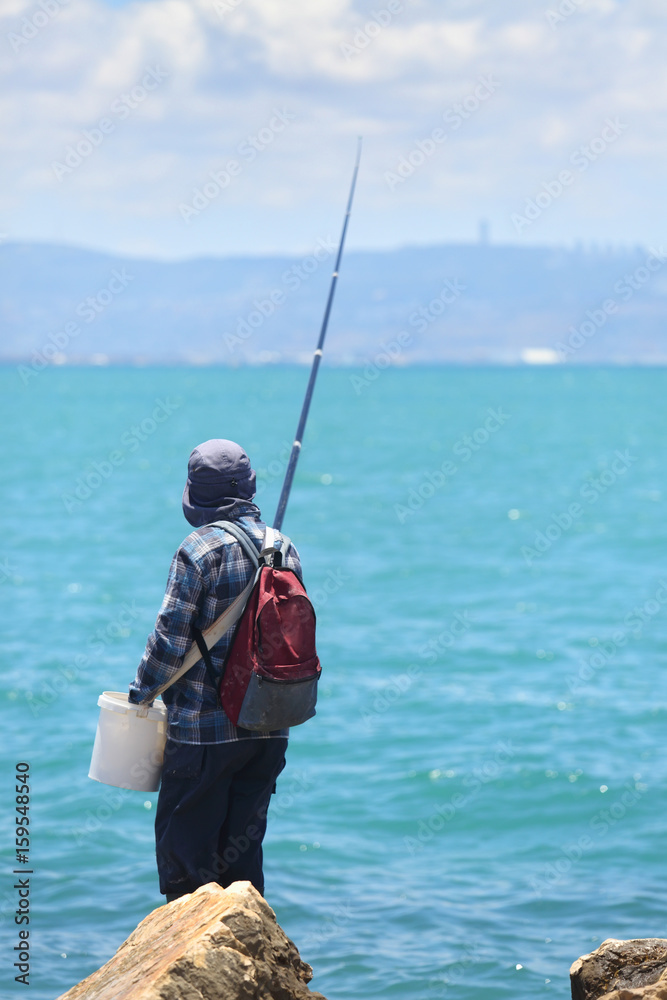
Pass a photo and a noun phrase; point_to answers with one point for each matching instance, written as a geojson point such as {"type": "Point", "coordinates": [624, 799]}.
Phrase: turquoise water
{"type": "Point", "coordinates": [481, 798]}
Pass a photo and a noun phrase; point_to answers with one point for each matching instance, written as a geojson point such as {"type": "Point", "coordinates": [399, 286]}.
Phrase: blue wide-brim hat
{"type": "Point", "coordinates": [218, 470]}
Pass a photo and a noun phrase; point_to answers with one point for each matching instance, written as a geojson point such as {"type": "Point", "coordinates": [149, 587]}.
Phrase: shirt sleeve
{"type": "Point", "coordinates": [293, 562]}
{"type": "Point", "coordinates": [171, 638]}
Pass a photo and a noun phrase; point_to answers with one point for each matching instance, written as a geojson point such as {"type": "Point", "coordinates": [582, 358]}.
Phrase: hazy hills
{"type": "Point", "coordinates": [463, 303]}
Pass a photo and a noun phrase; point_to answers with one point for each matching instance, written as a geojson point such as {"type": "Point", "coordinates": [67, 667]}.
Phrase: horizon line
{"type": "Point", "coordinates": [580, 246]}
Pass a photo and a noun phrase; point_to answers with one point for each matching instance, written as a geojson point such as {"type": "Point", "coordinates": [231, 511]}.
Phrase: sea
{"type": "Point", "coordinates": [481, 797]}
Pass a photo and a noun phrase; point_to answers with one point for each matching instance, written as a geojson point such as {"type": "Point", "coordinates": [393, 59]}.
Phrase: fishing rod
{"type": "Point", "coordinates": [296, 447]}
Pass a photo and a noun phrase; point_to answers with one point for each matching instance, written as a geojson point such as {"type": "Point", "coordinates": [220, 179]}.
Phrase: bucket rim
{"type": "Point", "coordinates": [117, 701]}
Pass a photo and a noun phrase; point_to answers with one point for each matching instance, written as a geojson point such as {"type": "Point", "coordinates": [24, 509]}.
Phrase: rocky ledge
{"type": "Point", "coordinates": [215, 944]}
{"type": "Point", "coordinates": [622, 970]}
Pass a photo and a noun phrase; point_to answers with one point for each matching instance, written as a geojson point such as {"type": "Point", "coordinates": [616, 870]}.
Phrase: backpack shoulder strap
{"type": "Point", "coordinates": [272, 543]}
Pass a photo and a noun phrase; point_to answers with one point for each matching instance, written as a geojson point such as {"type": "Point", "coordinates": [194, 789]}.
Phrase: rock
{"type": "Point", "coordinates": [215, 944]}
{"type": "Point", "coordinates": [622, 970]}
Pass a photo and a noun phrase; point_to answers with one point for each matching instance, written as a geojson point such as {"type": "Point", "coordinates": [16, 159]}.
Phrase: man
{"type": "Point", "coordinates": [218, 778]}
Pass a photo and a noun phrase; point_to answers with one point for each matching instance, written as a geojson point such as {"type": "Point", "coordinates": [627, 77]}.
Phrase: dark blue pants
{"type": "Point", "coordinates": [211, 812]}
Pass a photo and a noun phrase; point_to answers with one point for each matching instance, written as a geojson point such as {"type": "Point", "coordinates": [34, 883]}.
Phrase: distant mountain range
{"type": "Point", "coordinates": [467, 303]}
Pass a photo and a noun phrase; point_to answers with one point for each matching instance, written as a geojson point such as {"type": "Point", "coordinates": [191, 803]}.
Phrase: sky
{"type": "Point", "coordinates": [180, 128]}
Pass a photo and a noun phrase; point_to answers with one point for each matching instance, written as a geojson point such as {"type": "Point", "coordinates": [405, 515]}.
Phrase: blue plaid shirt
{"type": "Point", "coordinates": [207, 573]}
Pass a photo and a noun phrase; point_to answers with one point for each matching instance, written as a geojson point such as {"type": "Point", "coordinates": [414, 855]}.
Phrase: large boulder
{"type": "Point", "coordinates": [215, 944]}
{"type": "Point", "coordinates": [622, 970]}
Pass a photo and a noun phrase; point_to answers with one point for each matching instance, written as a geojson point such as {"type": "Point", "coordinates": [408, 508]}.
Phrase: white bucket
{"type": "Point", "coordinates": [129, 744]}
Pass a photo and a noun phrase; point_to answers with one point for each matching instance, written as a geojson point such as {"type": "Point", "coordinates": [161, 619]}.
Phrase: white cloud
{"type": "Point", "coordinates": [230, 66]}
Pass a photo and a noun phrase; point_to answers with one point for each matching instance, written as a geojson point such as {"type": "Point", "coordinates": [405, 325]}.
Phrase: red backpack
{"type": "Point", "coordinates": [269, 678]}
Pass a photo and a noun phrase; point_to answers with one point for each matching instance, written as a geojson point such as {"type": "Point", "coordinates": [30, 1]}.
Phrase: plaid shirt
{"type": "Point", "coordinates": [207, 573]}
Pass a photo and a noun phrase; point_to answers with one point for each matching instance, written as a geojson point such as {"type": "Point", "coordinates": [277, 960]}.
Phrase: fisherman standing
{"type": "Point", "coordinates": [218, 778]}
